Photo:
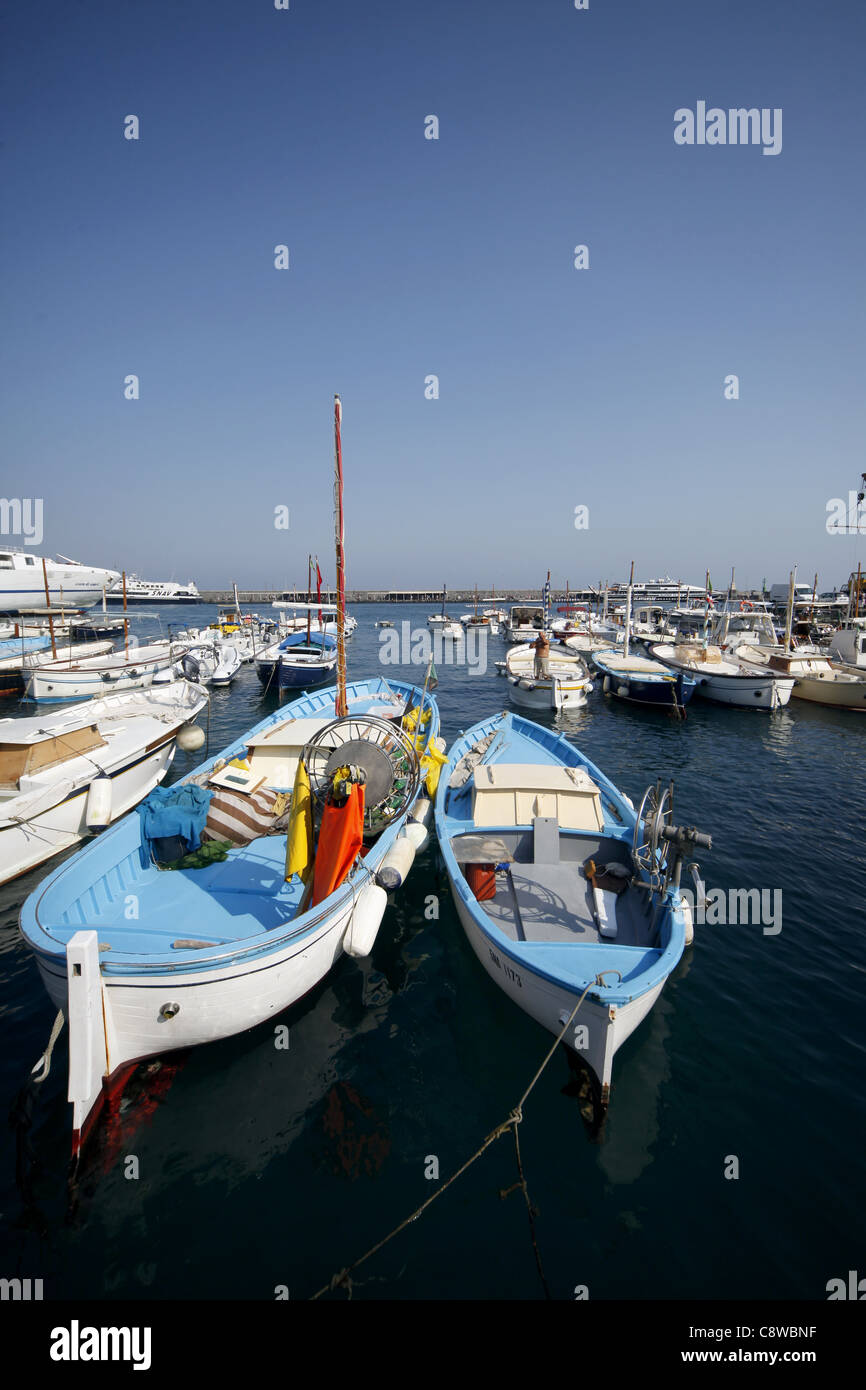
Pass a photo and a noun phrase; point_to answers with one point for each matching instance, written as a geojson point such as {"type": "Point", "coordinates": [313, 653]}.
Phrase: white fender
{"type": "Point", "coordinates": [418, 834]}
{"type": "Point", "coordinates": [97, 814]}
{"type": "Point", "coordinates": [395, 867]}
{"type": "Point", "coordinates": [605, 685]}
{"type": "Point", "coordinates": [190, 738]}
{"type": "Point", "coordinates": [420, 812]}
{"type": "Point", "coordinates": [689, 920]}
{"type": "Point", "coordinates": [365, 920]}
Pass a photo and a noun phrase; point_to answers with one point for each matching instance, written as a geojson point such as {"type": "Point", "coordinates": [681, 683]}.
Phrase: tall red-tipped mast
{"type": "Point", "coordinates": [342, 708]}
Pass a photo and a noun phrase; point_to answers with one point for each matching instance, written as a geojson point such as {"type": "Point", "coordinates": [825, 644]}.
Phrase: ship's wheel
{"type": "Point", "coordinates": [649, 851]}
{"type": "Point", "coordinates": [382, 752]}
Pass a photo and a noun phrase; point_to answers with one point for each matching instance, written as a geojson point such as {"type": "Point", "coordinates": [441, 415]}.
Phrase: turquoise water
{"type": "Point", "coordinates": [261, 1167]}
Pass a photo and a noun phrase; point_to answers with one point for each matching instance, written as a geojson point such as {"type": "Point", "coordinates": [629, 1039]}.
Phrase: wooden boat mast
{"type": "Point", "coordinates": [789, 615]}
{"type": "Point", "coordinates": [628, 611]}
{"type": "Point", "coordinates": [341, 707]}
{"type": "Point", "coordinates": [50, 615]}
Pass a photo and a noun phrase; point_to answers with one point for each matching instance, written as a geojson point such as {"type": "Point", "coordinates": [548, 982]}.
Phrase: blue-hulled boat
{"type": "Point", "coordinates": [643, 680]}
{"type": "Point", "coordinates": [560, 885]}
{"type": "Point", "coordinates": [146, 960]}
{"type": "Point", "coordinates": [298, 662]}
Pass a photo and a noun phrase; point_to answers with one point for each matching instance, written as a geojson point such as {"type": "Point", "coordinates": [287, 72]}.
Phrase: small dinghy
{"type": "Point", "coordinates": [215, 949]}
{"type": "Point", "coordinates": [66, 775]}
{"type": "Point", "coordinates": [560, 886]}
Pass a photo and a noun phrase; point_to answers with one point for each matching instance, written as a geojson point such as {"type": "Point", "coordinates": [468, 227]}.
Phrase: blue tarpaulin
{"type": "Point", "coordinates": [173, 811]}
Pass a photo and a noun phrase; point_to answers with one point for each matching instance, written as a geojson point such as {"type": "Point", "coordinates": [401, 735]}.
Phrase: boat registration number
{"type": "Point", "coordinates": [506, 969]}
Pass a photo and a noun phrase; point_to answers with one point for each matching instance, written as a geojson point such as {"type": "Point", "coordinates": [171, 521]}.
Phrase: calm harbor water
{"type": "Point", "coordinates": [261, 1167]}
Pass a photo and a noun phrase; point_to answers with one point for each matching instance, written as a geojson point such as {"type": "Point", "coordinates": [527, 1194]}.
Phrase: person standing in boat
{"type": "Point", "coordinates": [541, 647]}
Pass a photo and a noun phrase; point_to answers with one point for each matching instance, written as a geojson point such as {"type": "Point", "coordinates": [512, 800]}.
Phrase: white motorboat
{"type": "Point", "coordinates": [127, 669]}
{"type": "Point", "coordinates": [723, 678]}
{"type": "Point", "coordinates": [69, 774]}
{"type": "Point", "coordinates": [816, 679]}
{"type": "Point", "coordinates": [24, 578]}
{"type": "Point", "coordinates": [206, 663]}
{"type": "Point", "coordinates": [565, 687]}
{"type": "Point", "coordinates": [312, 617]}
{"type": "Point", "coordinates": [848, 644]}
{"type": "Point", "coordinates": [525, 621]}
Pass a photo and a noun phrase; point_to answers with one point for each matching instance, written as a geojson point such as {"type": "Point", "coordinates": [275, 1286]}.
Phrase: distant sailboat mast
{"type": "Point", "coordinates": [341, 706]}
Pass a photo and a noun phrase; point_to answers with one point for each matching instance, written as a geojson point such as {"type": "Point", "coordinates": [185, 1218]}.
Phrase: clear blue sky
{"type": "Point", "coordinates": [558, 387]}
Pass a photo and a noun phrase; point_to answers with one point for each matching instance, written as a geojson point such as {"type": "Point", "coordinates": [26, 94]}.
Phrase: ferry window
{"type": "Point", "coordinates": [28, 560]}
{"type": "Point", "coordinates": [6, 562]}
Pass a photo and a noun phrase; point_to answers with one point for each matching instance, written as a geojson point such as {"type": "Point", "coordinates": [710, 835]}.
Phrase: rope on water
{"type": "Point", "coordinates": [343, 1278]}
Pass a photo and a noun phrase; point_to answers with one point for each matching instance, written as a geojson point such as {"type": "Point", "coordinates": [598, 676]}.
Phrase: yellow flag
{"type": "Point", "coordinates": [299, 838]}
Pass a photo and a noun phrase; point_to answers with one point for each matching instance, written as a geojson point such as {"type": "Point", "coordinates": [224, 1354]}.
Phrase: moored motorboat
{"type": "Point", "coordinates": [560, 886]}
{"type": "Point", "coordinates": [86, 677]}
{"type": "Point", "coordinates": [816, 679]}
{"type": "Point", "coordinates": [65, 775]}
{"type": "Point", "coordinates": [641, 680]}
{"type": "Point", "coordinates": [722, 678]}
{"type": "Point", "coordinates": [564, 686]}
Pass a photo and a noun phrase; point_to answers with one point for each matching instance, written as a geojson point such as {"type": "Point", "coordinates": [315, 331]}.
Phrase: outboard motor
{"type": "Point", "coordinates": [190, 667]}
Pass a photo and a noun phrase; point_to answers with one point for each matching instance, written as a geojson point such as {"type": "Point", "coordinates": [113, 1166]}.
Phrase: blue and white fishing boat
{"type": "Point", "coordinates": [212, 951]}
{"type": "Point", "coordinates": [560, 885]}
{"type": "Point", "coordinates": [643, 680]}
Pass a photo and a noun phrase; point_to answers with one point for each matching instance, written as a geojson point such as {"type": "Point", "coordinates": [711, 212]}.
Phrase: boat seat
{"type": "Point", "coordinates": [545, 840]}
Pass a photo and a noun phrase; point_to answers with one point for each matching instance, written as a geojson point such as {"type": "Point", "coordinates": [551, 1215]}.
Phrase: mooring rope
{"type": "Point", "coordinates": [343, 1277]}
{"type": "Point", "coordinates": [45, 1059]}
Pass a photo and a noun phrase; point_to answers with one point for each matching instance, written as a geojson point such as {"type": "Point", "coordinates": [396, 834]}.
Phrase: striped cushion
{"type": "Point", "coordinates": [240, 818]}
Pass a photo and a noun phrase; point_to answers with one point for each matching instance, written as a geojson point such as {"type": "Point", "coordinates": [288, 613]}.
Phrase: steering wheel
{"type": "Point", "coordinates": [383, 751]}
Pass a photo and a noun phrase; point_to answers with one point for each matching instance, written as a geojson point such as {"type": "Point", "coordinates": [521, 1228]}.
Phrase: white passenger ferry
{"type": "Point", "coordinates": [153, 591]}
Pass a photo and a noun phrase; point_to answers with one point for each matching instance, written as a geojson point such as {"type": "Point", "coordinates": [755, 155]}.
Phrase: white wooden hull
{"type": "Point", "coordinates": [553, 694]}
{"type": "Point", "coordinates": [214, 1004]}
{"type": "Point", "coordinates": [89, 685]}
{"type": "Point", "coordinates": [752, 692]}
{"type": "Point", "coordinates": [551, 1004]}
{"type": "Point", "coordinates": [24, 846]}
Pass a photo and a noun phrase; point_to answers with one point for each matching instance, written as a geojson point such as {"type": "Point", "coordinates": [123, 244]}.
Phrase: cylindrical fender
{"type": "Point", "coordinates": [418, 834]}
{"type": "Point", "coordinates": [395, 867]}
{"type": "Point", "coordinates": [421, 810]}
{"type": "Point", "coordinates": [365, 920]}
{"type": "Point", "coordinates": [97, 813]}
